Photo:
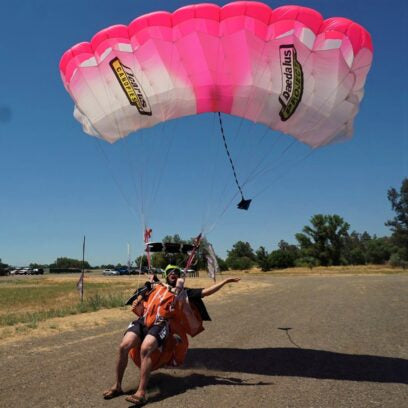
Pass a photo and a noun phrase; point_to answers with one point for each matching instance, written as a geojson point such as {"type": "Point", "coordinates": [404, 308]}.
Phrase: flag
{"type": "Point", "coordinates": [212, 264]}
{"type": "Point", "coordinates": [80, 283]}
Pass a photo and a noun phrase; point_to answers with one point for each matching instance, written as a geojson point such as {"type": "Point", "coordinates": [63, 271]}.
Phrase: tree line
{"type": "Point", "coordinates": [326, 241]}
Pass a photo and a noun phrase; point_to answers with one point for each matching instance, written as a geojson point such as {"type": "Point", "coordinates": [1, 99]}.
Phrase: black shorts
{"type": "Point", "coordinates": [158, 331]}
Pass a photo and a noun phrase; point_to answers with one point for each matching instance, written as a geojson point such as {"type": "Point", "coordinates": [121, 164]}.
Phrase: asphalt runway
{"type": "Point", "coordinates": [298, 342]}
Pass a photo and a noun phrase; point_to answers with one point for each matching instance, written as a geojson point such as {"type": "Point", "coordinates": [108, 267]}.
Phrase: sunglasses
{"type": "Point", "coordinates": [174, 272]}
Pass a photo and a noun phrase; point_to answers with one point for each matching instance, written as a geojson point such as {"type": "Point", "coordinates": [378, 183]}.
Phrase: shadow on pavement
{"type": "Point", "coordinates": [298, 362]}
{"type": "Point", "coordinates": [164, 386]}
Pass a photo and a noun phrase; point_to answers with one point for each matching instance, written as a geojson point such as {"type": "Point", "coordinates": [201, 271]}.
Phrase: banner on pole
{"type": "Point", "coordinates": [80, 283]}
{"type": "Point", "coordinates": [212, 263]}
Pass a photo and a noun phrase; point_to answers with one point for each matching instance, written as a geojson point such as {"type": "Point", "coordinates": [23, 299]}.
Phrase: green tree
{"type": "Point", "coordinates": [262, 259]}
{"type": "Point", "coordinates": [241, 263]}
{"type": "Point", "coordinates": [107, 266]}
{"type": "Point", "coordinates": [222, 264]}
{"type": "Point", "coordinates": [356, 248]}
{"type": "Point", "coordinates": [37, 265]}
{"type": "Point", "coordinates": [379, 250]}
{"type": "Point", "coordinates": [307, 262]}
{"type": "Point", "coordinates": [399, 224]}
{"type": "Point", "coordinates": [241, 249]}
{"type": "Point", "coordinates": [141, 261]}
{"type": "Point", "coordinates": [176, 239]}
{"type": "Point", "coordinates": [159, 260]}
{"type": "Point", "coordinates": [3, 268]}
{"type": "Point", "coordinates": [241, 256]}
{"type": "Point", "coordinates": [292, 252]}
{"type": "Point", "coordinates": [281, 259]}
{"type": "Point", "coordinates": [396, 261]}
{"type": "Point", "coordinates": [69, 263]}
{"type": "Point", "coordinates": [325, 239]}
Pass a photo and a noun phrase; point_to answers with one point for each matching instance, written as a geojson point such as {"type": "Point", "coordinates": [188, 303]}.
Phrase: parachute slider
{"type": "Point", "coordinates": [154, 246]}
{"type": "Point", "coordinates": [244, 204]}
{"type": "Point", "coordinates": [169, 247]}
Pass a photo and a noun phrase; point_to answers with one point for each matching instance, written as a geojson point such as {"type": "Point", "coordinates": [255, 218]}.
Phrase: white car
{"type": "Point", "coordinates": [110, 272]}
{"type": "Point", "coordinates": [21, 271]}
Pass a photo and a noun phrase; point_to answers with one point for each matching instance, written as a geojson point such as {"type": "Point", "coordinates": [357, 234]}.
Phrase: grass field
{"type": "Point", "coordinates": [25, 301]}
{"type": "Point", "coordinates": [28, 299]}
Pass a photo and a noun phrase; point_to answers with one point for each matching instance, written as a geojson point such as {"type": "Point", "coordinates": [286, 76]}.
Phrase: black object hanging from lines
{"type": "Point", "coordinates": [243, 204]}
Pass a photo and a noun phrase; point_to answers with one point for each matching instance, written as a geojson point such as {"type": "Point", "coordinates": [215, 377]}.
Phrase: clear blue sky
{"type": "Point", "coordinates": [58, 184]}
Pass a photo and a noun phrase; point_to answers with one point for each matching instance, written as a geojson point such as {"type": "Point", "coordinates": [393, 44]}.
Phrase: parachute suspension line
{"type": "Point", "coordinates": [167, 136]}
{"type": "Point", "coordinates": [228, 205]}
{"type": "Point", "coordinates": [262, 166]}
{"type": "Point", "coordinates": [156, 181]}
{"type": "Point", "coordinates": [118, 126]}
{"type": "Point", "coordinates": [211, 195]}
{"type": "Point", "coordinates": [265, 170]}
{"type": "Point", "coordinates": [277, 178]}
{"type": "Point", "coordinates": [263, 159]}
{"type": "Point", "coordinates": [146, 238]}
{"type": "Point", "coordinates": [115, 180]}
{"type": "Point", "coordinates": [218, 182]}
{"type": "Point", "coordinates": [107, 90]}
{"type": "Point", "coordinates": [126, 148]}
{"type": "Point", "coordinates": [243, 204]}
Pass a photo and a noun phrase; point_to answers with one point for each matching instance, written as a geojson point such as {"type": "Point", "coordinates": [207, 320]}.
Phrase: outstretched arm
{"type": "Point", "coordinates": [215, 288]}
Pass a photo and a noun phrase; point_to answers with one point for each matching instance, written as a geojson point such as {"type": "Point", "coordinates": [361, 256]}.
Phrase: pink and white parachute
{"type": "Point", "coordinates": [286, 68]}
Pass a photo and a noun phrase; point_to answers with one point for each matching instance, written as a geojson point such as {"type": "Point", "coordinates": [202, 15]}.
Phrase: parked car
{"type": "Point", "coordinates": [110, 272]}
{"type": "Point", "coordinates": [37, 271]}
{"type": "Point", "coordinates": [123, 271]}
{"type": "Point", "coordinates": [24, 271]}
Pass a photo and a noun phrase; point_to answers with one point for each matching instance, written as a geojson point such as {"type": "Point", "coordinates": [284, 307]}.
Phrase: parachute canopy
{"type": "Point", "coordinates": [286, 68]}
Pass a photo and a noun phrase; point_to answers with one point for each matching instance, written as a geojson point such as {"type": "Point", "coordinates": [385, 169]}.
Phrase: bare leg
{"type": "Point", "coordinates": [149, 345]}
{"type": "Point", "coordinates": [129, 341]}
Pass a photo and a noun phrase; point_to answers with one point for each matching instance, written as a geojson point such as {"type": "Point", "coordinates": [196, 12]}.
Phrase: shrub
{"type": "Point", "coordinates": [397, 262]}
{"type": "Point", "coordinates": [240, 263]}
{"type": "Point", "coordinates": [307, 261]}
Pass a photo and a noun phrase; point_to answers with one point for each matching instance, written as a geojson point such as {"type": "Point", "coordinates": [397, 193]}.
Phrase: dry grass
{"type": "Point", "coordinates": [330, 270]}
{"type": "Point", "coordinates": [19, 295]}
{"type": "Point", "coordinates": [99, 318]}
